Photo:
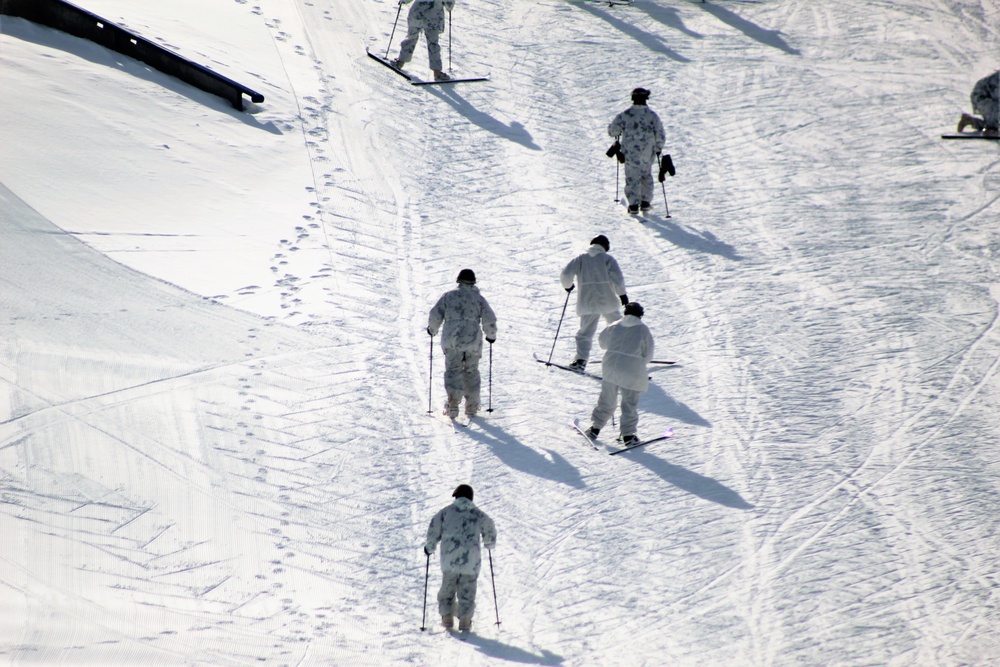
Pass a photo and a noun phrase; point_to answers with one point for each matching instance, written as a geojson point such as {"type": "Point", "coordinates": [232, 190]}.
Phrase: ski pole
{"type": "Point", "coordinates": [663, 187]}
{"type": "Point", "coordinates": [449, 40]}
{"type": "Point", "coordinates": [617, 169]}
{"type": "Point", "coordinates": [494, 582]}
{"type": "Point", "coordinates": [490, 376]}
{"type": "Point", "coordinates": [427, 575]}
{"type": "Point", "coordinates": [393, 33]}
{"type": "Point", "coordinates": [557, 328]}
{"type": "Point", "coordinates": [430, 379]}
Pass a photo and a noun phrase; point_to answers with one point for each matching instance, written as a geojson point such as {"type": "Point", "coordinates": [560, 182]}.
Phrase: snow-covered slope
{"type": "Point", "coordinates": [213, 444]}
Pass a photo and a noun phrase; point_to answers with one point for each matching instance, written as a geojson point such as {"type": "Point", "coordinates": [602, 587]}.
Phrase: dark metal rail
{"type": "Point", "coordinates": [71, 19]}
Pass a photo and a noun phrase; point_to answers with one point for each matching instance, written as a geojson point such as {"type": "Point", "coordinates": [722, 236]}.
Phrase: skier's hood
{"type": "Point", "coordinates": [595, 250]}
{"type": "Point", "coordinates": [630, 321]}
{"type": "Point", "coordinates": [464, 504]}
{"type": "Point", "coordinates": [467, 286]}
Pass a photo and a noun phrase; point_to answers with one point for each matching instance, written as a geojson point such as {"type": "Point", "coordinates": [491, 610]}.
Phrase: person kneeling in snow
{"type": "Point", "coordinates": [426, 16]}
{"type": "Point", "coordinates": [985, 100]}
{"type": "Point", "coordinates": [458, 528]}
{"type": "Point", "coordinates": [629, 347]}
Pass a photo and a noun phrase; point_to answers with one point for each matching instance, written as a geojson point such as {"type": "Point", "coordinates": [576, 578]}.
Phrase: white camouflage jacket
{"type": "Point", "coordinates": [458, 527]}
{"type": "Point", "coordinates": [466, 316]}
{"type": "Point", "coordinates": [598, 280]}
{"type": "Point", "coordinates": [640, 133]}
{"type": "Point", "coordinates": [429, 14]}
{"type": "Point", "coordinates": [629, 347]}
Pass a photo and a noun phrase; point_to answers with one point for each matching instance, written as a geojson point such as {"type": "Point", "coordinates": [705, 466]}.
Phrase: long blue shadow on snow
{"type": "Point", "coordinates": [514, 132]}
{"type": "Point", "coordinates": [702, 241]}
{"type": "Point", "coordinates": [657, 401]}
{"type": "Point", "coordinates": [668, 16]}
{"type": "Point", "coordinates": [766, 37]}
{"type": "Point", "coordinates": [688, 480]}
{"type": "Point", "coordinates": [495, 649]}
{"type": "Point", "coordinates": [507, 448]}
{"type": "Point", "coordinates": [81, 48]}
{"type": "Point", "coordinates": [653, 42]}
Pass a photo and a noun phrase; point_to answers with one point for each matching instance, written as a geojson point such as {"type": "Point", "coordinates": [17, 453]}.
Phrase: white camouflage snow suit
{"type": "Point", "coordinates": [640, 133]}
{"type": "Point", "coordinates": [426, 16]}
{"type": "Point", "coordinates": [600, 285]}
{"type": "Point", "coordinates": [629, 347]}
{"type": "Point", "coordinates": [459, 528]}
{"type": "Point", "coordinates": [466, 316]}
{"type": "Point", "coordinates": [985, 100]}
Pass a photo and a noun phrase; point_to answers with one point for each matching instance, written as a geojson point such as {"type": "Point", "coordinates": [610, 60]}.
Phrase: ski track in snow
{"type": "Point", "coordinates": [828, 278]}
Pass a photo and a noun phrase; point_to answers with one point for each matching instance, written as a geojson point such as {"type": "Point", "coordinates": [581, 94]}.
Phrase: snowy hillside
{"type": "Point", "coordinates": [214, 371]}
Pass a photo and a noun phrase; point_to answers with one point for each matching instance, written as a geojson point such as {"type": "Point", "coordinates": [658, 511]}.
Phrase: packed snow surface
{"type": "Point", "coordinates": [214, 370]}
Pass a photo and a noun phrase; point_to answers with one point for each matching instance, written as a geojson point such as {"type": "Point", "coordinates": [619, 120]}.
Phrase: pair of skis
{"type": "Point", "coordinates": [416, 81]}
{"type": "Point", "coordinates": [588, 373]}
{"type": "Point", "coordinates": [669, 433]}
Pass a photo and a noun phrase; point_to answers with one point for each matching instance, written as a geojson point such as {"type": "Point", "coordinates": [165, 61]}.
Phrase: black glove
{"type": "Point", "coordinates": [616, 151]}
{"type": "Point", "coordinates": [624, 298]}
{"type": "Point", "coordinates": [491, 340]}
{"type": "Point", "coordinates": [666, 167]}
{"type": "Point", "coordinates": [430, 333]}
{"type": "Point", "coordinates": [570, 288]}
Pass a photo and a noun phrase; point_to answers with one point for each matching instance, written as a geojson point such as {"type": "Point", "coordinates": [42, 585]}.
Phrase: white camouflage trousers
{"type": "Point", "coordinates": [638, 183]}
{"type": "Point", "coordinates": [588, 327]}
{"type": "Point", "coordinates": [418, 23]}
{"type": "Point", "coordinates": [606, 407]}
{"type": "Point", "coordinates": [461, 380]}
{"type": "Point", "coordinates": [461, 587]}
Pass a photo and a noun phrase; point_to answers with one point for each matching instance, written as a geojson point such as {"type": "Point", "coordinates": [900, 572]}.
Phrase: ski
{"type": "Point", "coordinates": [572, 370]}
{"type": "Point", "coordinates": [565, 368]}
{"type": "Point", "coordinates": [389, 64]}
{"type": "Point", "coordinates": [641, 213]}
{"type": "Point", "coordinates": [468, 79]}
{"type": "Point", "coordinates": [669, 433]}
{"type": "Point", "coordinates": [455, 424]}
{"type": "Point", "coordinates": [579, 429]}
{"type": "Point", "coordinates": [420, 82]}
{"type": "Point", "coordinates": [971, 135]}
{"type": "Point", "coordinates": [652, 361]}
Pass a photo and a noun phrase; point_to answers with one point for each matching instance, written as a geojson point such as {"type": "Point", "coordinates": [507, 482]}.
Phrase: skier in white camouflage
{"type": "Point", "coordinates": [466, 317]}
{"type": "Point", "coordinates": [458, 528]}
{"type": "Point", "coordinates": [629, 347]}
{"type": "Point", "coordinates": [985, 100]}
{"type": "Point", "coordinates": [639, 133]}
{"type": "Point", "coordinates": [602, 292]}
{"type": "Point", "coordinates": [426, 16]}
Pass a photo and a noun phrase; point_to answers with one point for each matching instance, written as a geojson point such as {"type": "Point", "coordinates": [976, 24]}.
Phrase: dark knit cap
{"type": "Point", "coordinates": [640, 94]}
{"type": "Point", "coordinates": [634, 308]}
{"type": "Point", "coordinates": [462, 491]}
{"type": "Point", "coordinates": [466, 276]}
{"type": "Point", "coordinates": [602, 241]}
